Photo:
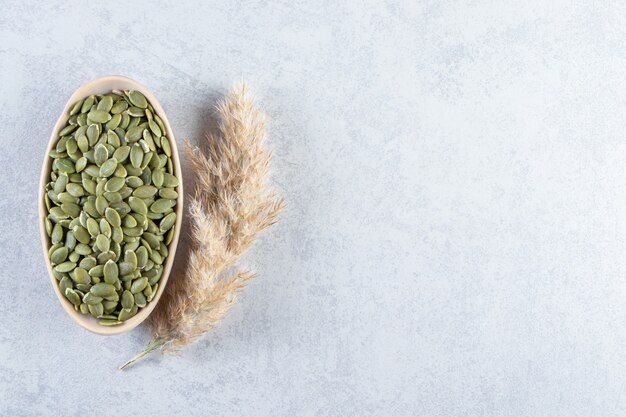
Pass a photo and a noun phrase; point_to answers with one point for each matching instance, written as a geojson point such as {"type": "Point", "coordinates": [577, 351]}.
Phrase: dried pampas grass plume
{"type": "Point", "coordinates": [231, 205]}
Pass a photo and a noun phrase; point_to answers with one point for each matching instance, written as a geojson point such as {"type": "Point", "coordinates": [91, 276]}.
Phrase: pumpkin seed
{"type": "Point", "coordinates": [134, 133]}
{"type": "Point", "coordinates": [138, 285]}
{"type": "Point", "coordinates": [96, 310]}
{"type": "Point", "coordinates": [119, 107]}
{"type": "Point", "coordinates": [134, 181]}
{"type": "Point", "coordinates": [167, 222]}
{"type": "Point", "coordinates": [59, 255]}
{"type": "Point", "coordinates": [108, 167]}
{"type": "Point", "coordinates": [138, 205]}
{"type": "Point", "coordinates": [111, 272]}
{"type": "Point", "coordinates": [81, 276]}
{"type": "Point", "coordinates": [76, 107]}
{"type": "Point", "coordinates": [65, 267]}
{"type": "Point", "coordinates": [98, 116]}
{"type": "Point", "coordinates": [115, 183]}
{"type": "Point", "coordinates": [102, 243]}
{"type": "Point", "coordinates": [113, 217]}
{"type": "Point", "coordinates": [109, 322]}
{"type": "Point", "coordinates": [71, 295]}
{"type": "Point", "coordinates": [165, 144]}
{"type": "Point", "coordinates": [162, 205]}
{"type": "Point", "coordinates": [121, 153]}
{"type": "Point", "coordinates": [136, 156]}
{"type": "Point", "coordinates": [145, 191]}
{"type": "Point", "coordinates": [137, 99]}
{"type": "Point", "coordinates": [140, 299]}
{"type": "Point", "coordinates": [105, 228]}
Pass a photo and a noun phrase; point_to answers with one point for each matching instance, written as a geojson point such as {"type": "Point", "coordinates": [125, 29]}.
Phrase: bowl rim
{"type": "Point", "coordinates": [103, 85]}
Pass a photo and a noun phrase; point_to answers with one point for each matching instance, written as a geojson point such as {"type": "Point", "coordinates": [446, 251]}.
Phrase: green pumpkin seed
{"type": "Point", "coordinates": [83, 249]}
{"type": "Point", "coordinates": [112, 138]}
{"type": "Point", "coordinates": [71, 209]}
{"type": "Point", "coordinates": [81, 163]}
{"type": "Point", "coordinates": [87, 262]}
{"type": "Point", "coordinates": [136, 156]}
{"type": "Point", "coordinates": [138, 285]}
{"type": "Point", "coordinates": [169, 181]}
{"type": "Point", "coordinates": [131, 258]}
{"type": "Point", "coordinates": [67, 130]}
{"type": "Point", "coordinates": [162, 205]}
{"type": "Point", "coordinates": [92, 227]}
{"type": "Point", "coordinates": [142, 257]}
{"type": "Point", "coordinates": [127, 299]}
{"type": "Point", "coordinates": [165, 144]}
{"type": "Point", "coordinates": [140, 299]}
{"type": "Point", "coordinates": [65, 165]}
{"type": "Point", "coordinates": [97, 271]}
{"type": "Point", "coordinates": [145, 191]}
{"type": "Point", "coordinates": [156, 130]}
{"type": "Point", "coordinates": [71, 295]}
{"type": "Point", "coordinates": [91, 299]}
{"type": "Point", "coordinates": [65, 267]}
{"type": "Point", "coordinates": [113, 217]}
{"type": "Point", "coordinates": [120, 171]}
{"type": "Point", "coordinates": [167, 222]}
{"type": "Point", "coordinates": [129, 222]}
{"type": "Point", "coordinates": [119, 107]}
{"type": "Point", "coordinates": [57, 233]}
{"type": "Point", "coordinates": [76, 107]}
{"type": "Point", "coordinates": [122, 208]}
{"type": "Point", "coordinates": [125, 268]}
{"type": "Point", "coordinates": [59, 255]}
{"type": "Point", "coordinates": [81, 234]}
{"type": "Point", "coordinates": [98, 116]}
{"type": "Point", "coordinates": [102, 289]}
{"type": "Point", "coordinates": [96, 310]}
{"type": "Point", "coordinates": [121, 153]}
{"type": "Point", "coordinates": [136, 112]}
{"type": "Point", "coordinates": [105, 228]}
{"type": "Point", "coordinates": [87, 103]}
{"type": "Point", "coordinates": [75, 190]}
{"type": "Point", "coordinates": [113, 196]}
{"type": "Point", "coordinates": [81, 276]}
{"type": "Point", "coordinates": [125, 314]}
{"type": "Point", "coordinates": [168, 193]}
{"type": "Point", "coordinates": [117, 235]}
{"type": "Point", "coordinates": [102, 243]}
{"type": "Point", "coordinates": [133, 134]}
{"type": "Point", "coordinates": [105, 104]}
{"type": "Point", "coordinates": [108, 167]}
{"type": "Point", "coordinates": [137, 99]}
{"type": "Point", "coordinates": [71, 146]}
{"type": "Point", "coordinates": [137, 205]}
{"type": "Point", "coordinates": [134, 181]}
{"type": "Point", "coordinates": [115, 184]}
{"type": "Point", "coordinates": [109, 322]}
{"type": "Point", "coordinates": [101, 154]}
{"type": "Point", "coordinates": [70, 242]}
{"type": "Point", "coordinates": [110, 272]}
{"type": "Point", "coordinates": [60, 183]}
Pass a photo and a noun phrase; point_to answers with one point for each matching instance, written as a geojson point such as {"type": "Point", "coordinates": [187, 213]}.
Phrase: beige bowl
{"type": "Point", "coordinates": [101, 86]}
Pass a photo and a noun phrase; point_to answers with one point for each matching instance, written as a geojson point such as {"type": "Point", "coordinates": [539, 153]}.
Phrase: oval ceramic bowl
{"type": "Point", "coordinates": [101, 86]}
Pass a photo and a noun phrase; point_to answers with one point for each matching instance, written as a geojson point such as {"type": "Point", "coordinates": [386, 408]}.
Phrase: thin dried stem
{"type": "Point", "coordinates": [231, 206]}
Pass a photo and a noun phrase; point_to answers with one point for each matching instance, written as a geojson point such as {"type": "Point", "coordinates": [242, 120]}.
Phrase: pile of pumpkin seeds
{"type": "Point", "coordinates": [110, 203]}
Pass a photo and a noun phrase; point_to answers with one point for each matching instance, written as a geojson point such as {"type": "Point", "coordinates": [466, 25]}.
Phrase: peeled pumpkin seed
{"type": "Point", "coordinates": [109, 203]}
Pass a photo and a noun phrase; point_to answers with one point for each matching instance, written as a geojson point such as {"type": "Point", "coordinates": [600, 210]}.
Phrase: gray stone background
{"type": "Point", "coordinates": [455, 231]}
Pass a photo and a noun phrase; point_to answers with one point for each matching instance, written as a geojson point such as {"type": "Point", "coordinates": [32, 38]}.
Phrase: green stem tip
{"type": "Point", "coordinates": [152, 346]}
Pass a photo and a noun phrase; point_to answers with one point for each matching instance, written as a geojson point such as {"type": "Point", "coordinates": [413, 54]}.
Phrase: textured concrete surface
{"type": "Point", "coordinates": [455, 175]}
